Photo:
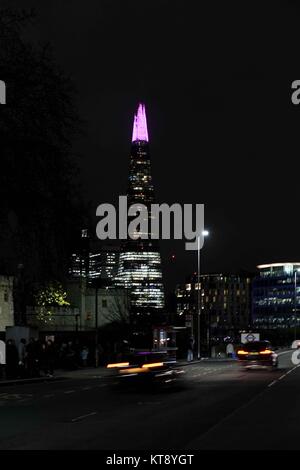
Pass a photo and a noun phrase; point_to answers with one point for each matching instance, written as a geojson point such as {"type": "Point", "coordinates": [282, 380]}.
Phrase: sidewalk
{"type": "Point", "coordinates": [92, 372]}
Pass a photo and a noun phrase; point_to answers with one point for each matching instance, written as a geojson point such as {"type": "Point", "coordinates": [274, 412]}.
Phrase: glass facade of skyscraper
{"type": "Point", "coordinates": [140, 261]}
{"type": "Point", "coordinates": [102, 265]}
{"type": "Point", "coordinates": [276, 296]}
{"type": "Point", "coordinates": [225, 302]}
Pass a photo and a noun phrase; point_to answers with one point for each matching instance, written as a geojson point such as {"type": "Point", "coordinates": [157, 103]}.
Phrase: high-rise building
{"type": "Point", "coordinates": [104, 264]}
{"type": "Point", "coordinates": [276, 296]}
{"type": "Point", "coordinates": [101, 265]}
{"type": "Point", "coordinates": [225, 303]}
{"type": "Point", "coordinates": [140, 262]}
{"type": "Point", "coordinates": [79, 263]}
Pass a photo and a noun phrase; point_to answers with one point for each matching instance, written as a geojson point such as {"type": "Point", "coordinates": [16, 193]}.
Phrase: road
{"type": "Point", "coordinates": [221, 407]}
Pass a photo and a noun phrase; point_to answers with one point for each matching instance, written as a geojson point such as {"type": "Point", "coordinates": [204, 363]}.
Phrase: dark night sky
{"type": "Point", "coordinates": [216, 82]}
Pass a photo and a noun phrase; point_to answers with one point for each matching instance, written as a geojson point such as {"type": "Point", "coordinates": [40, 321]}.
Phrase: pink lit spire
{"type": "Point", "coordinates": [140, 131]}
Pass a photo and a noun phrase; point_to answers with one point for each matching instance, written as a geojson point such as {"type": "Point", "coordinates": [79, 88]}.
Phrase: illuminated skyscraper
{"type": "Point", "coordinates": [140, 261]}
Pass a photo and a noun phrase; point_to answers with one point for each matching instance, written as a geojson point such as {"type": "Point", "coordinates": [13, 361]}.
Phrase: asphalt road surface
{"type": "Point", "coordinates": [221, 406]}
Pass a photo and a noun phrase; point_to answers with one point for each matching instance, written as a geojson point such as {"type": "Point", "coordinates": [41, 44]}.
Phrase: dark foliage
{"type": "Point", "coordinates": [41, 209]}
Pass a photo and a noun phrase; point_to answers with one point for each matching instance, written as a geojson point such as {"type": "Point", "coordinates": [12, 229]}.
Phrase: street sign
{"type": "Point", "coordinates": [249, 337]}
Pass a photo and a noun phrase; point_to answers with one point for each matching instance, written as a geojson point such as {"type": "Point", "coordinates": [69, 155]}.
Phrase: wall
{"type": "Point", "coordinates": [6, 302]}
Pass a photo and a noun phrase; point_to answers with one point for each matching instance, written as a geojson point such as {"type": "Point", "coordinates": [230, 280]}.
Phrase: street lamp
{"type": "Point", "coordinates": [96, 323]}
{"type": "Point", "coordinates": [295, 304]}
{"type": "Point", "coordinates": [205, 233]}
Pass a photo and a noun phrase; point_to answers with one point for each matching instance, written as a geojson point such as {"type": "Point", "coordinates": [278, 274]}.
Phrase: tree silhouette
{"type": "Point", "coordinates": [41, 211]}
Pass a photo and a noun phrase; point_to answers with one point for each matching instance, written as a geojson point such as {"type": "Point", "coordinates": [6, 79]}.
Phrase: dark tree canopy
{"type": "Point", "coordinates": [40, 205]}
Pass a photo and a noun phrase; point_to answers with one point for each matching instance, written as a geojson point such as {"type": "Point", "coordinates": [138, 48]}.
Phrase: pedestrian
{"type": "Point", "coordinates": [43, 359]}
{"type": "Point", "coordinates": [71, 357]}
{"type": "Point", "coordinates": [84, 353]}
{"type": "Point", "coordinates": [190, 348]}
{"type": "Point", "coordinates": [30, 351]}
{"type": "Point", "coordinates": [37, 357]}
{"type": "Point", "coordinates": [12, 359]}
{"type": "Point", "coordinates": [62, 354]}
{"type": "Point", "coordinates": [49, 358]}
{"type": "Point", "coordinates": [22, 358]}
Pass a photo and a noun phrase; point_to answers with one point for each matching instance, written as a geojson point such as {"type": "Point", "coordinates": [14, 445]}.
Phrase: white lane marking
{"type": "Point", "coordinates": [237, 410]}
{"type": "Point", "coordinates": [15, 396]}
{"type": "Point", "coordinates": [283, 376]}
{"type": "Point", "coordinates": [273, 383]}
{"type": "Point", "coordinates": [79, 418]}
{"type": "Point", "coordinates": [69, 391]}
{"type": "Point", "coordinates": [86, 388]}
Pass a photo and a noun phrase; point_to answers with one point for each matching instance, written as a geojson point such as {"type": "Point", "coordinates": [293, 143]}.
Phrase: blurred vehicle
{"type": "Point", "coordinates": [296, 344]}
{"type": "Point", "coordinates": [258, 354]}
{"type": "Point", "coordinates": [146, 368]}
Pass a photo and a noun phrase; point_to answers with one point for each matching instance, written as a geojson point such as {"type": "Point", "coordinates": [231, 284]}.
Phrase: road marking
{"type": "Point", "coordinates": [69, 391]}
{"type": "Point", "coordinates": [86, 388]}
{"type": "Point", "coordinates": [232, 414]}
{"type": "Point", "coordinates": [283, 376]}
{"type": "Point", "coordinates": [15, 396]}
{"type": "Point", "coordinates": [80, 418]}
{"type": "Point", "coordinates": [273, 383]}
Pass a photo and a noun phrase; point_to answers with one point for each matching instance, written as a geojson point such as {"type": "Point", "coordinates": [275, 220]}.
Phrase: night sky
{"type": "Point", "coordinates": [216, 81]}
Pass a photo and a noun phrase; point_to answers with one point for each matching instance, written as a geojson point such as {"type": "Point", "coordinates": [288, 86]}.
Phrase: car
{"type": "Point", "coordinates": [146, 368]}
{"type": "Point", "coordinates": [258, 354]}
{"type": "Point", "coordinates": [296, 344]}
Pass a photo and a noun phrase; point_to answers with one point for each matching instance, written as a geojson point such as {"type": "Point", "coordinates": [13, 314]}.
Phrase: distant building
{"type": "Point", "coordinates": [104, 264]}
{"type": "Point", "coordinates": [6, 302]}
{"type": "Point", "coordinates": [101, 265]}
{"type": "Point", "coordinates": [225, 303]}
{"type": "Point", "coordinates": [113, 305]}
{"type": "Point", "coordinates": [80, 316]}
{"type": "Point", "coordinates": [79, 262]}
{"type": "Point", "coordinates": [276, 296]}
{"type": "Point", "coordinates": [54, 319]}
{"type": "Point", "coordinates": [140, 268]}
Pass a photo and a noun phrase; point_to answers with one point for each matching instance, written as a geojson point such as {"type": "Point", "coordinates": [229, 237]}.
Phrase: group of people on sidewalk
{"type": "Point", "coordinates": [37, 358]}
{"type": "Point", "coordinates": [29, 359]}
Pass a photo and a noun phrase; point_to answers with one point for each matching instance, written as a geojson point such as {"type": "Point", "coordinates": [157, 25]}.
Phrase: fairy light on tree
{"type": "Point", "coordinates": [52, 295]}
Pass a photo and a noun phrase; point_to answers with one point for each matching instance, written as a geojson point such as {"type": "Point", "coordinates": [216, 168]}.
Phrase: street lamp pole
{"type": "Point", "coordinates": [199, 302]}
{"type": "Point", "coordinates": [96, 326]}
{"type": "Point", "coordinates": [205, 233]}
{"type": "Point", "coordinates": [295, 306]}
